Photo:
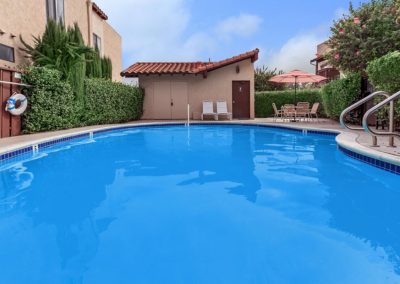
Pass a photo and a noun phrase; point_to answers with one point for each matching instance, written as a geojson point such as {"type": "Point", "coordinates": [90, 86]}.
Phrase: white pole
{"type": "Point", "coordinates": [188, 115]}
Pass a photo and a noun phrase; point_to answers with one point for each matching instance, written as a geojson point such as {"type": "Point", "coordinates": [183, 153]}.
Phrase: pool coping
{"type": "Point", "coordinates": [346, 141]}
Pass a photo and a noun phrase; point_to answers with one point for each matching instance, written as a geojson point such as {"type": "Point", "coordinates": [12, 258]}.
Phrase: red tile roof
{"type": "Point", "coordinates": [99, 12]}
{"type": "Point", "coordinates": [149, 68]}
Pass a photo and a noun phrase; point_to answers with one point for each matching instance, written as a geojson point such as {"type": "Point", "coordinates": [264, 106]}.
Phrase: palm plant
{"type": "Point", "coordinates": [63, 50]}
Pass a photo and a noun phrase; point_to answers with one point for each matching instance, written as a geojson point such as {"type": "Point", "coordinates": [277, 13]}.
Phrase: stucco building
{"type": "Point", "coordinates": [28, 18]}
{"type": "Point", "coordinates": [322, 65]}
{"type": "Point", "coordinates": [171, 86]}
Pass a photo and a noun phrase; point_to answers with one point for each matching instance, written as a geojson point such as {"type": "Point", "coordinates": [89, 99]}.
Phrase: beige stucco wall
{"type": "Point", "coordinates": [28, 18]}
{"type": "Point", "coordinates": [76, 11]}
{"type": "Point", "coordinates": [217, 86]}
{"type": "Point", "coordinates": [23, 17]}
{"type": "Point", "coordinates": [112, 47]}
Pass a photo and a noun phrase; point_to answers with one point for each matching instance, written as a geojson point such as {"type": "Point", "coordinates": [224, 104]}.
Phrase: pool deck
{"type": "Point", "coordinates": [358, 141]}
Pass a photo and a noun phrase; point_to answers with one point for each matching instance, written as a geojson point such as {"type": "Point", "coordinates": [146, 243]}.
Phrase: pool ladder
{"type": "Point", "coordinates": [188, 116]}
{"type": "Point", "coordinates": [389, 99]}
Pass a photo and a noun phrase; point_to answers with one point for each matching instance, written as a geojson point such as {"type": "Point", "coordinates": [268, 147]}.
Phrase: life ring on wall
{"type": "Point", "coordinates": [12, 101]}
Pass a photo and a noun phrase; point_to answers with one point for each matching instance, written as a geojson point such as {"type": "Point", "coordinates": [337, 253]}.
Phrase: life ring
{"type": "Point", "coordinates": [12, 101]}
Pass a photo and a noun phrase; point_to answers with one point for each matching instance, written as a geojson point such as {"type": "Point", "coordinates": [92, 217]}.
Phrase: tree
{"type": "Point", "coordinates": [365, 34]}
{"type": "Point", "coordinates": [76, 77]}
{"type": "Point", "coordinates": [106, 68]}
{"type": "Point", "coordinates": [262, 76]}
{"type": "Point", "coordinates": [94, 66]}
{"type": "Point", "coordinates": [63, 50]}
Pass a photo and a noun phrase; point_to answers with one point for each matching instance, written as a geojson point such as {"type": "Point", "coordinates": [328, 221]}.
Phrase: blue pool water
{"type": "Point", "coordinates": [208, 204]}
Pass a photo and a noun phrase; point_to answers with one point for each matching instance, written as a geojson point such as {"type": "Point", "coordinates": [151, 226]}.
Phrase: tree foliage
{"type": "Point", "coordinates": [94, 66]}
{"type": "Point", "coordinates": [261, 79]}
{"type": "Point", "coordinates": [76, 77]}
{"type": "Point", "coordinates": [384, 72]}
{"type": "Point", "coordinates": [63, 50]}
{"type": "Point", "coordinates": [106, 68]}
{"type": "Point", "coordinates": [366, 33]}
{"type": "Point", "coordinates": [58, 48]}
{"type": "Point", "coordinates": [339, 94]}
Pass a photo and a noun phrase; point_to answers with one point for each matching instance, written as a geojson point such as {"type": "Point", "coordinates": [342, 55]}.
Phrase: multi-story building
{"type": "Point", "coordinates": [28, 18]}
{"type": "Point", "coordinates": [322, 66]}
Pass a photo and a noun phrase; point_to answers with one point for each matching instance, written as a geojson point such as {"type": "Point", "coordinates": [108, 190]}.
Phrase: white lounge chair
{"type": "Point", "coordinates": [208, 110]}
{"type": "Point", "coordinates": [222, 109]}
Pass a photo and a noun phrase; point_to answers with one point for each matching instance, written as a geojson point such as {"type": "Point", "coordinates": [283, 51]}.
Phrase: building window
{"type": "Point", "coordinates": [6, 53]}
{"type": "Point", "coordinates": [97, 43]}
{"type": "Point", "coordinates": [55, 10]}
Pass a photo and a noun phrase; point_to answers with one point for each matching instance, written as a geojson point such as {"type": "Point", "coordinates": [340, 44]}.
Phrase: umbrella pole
{"type": "Point", "coordinates": [295, 93]}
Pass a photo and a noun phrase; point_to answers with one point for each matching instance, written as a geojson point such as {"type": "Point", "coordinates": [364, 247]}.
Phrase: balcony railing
{"type": "Point", "coordinates": [330, 73]}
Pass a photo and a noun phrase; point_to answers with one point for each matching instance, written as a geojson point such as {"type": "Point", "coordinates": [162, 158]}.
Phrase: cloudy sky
{"type": "Point", "coordinates": [286, 31]}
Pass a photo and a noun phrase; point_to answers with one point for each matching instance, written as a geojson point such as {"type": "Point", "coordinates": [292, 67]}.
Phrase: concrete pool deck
{"type": "Point", "coordinates": [357, 141]}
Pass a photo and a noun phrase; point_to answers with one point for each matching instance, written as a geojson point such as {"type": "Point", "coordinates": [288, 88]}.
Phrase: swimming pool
{"type": "Point", "coordinates": [204, 204]}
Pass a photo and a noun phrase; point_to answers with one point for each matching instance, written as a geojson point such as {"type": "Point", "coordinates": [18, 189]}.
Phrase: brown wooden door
{"type": "Point", "coordinates": [241, 99]}
{"type": "Point", "coordinates": [9, 125]}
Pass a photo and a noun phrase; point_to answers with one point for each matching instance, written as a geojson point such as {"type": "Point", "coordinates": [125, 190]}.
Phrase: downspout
{"type": "Point", "coordinates": [89, 17]}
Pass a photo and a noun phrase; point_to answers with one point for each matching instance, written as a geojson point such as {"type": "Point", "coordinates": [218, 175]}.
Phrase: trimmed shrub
{"type": "Point", "coordinates": [53, 106]}
{"type": "Point", "coordinates": [111, 102]}
{"type": "Point", "coordinates": [52, 103]}
{"type": "Point", "coordinates": [264, 100]}
{"type": "Point", "coordinates": [339, 94]}
{"type": "Point", "coordinates": [384, 75]}
{"type": "Point", "coordinates": [384, 72]}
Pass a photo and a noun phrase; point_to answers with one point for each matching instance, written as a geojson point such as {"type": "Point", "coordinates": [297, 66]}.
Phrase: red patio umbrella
{"type": "Point", "coordinates": [295, 77]}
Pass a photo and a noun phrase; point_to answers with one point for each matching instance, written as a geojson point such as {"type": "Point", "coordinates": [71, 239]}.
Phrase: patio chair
{"type": "Point", "coordinates": [289, 112]}
{"type": "Point", "coordinates": [314, 111]}
{"type": "Point", "coordinates": [222, 110]}
{"type": "Point", "coordinates": [303, 110]}
{"type": "Point", "coordinates": [208, 110]}
{"type": "Point", "coordinates": [278, 113]}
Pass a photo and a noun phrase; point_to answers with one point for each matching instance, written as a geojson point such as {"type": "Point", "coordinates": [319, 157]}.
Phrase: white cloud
{"type": "Point", "coordinates": [243, 25]}
{"type": "Point", "coordinates": [157, 30]}
{"type": "Point", "coordinates": [151, 29]}
{"type": "Point", "coordinates": [296, 53]}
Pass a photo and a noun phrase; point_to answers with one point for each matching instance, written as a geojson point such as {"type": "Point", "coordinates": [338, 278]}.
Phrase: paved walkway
{"type": "Point", "coordinates": [363, 138]}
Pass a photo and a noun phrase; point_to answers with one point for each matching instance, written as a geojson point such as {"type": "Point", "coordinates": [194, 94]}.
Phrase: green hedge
{"type": "Point", "coordinates": [111, 102]}
{"type": "Point", "coordinates": [264, 100]}
{"type": "Point", "coordinates": [53, 105]}
{"type": "Point", "coordinates": [384, 72]}
{"type": "Point", "coordinates": [339, 94]}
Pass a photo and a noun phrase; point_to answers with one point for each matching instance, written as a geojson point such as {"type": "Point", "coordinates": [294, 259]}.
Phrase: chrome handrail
{"type": "Point", "coordinates": [356, 105]}
{"type": "Point", "coordinates": [391, 133]}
